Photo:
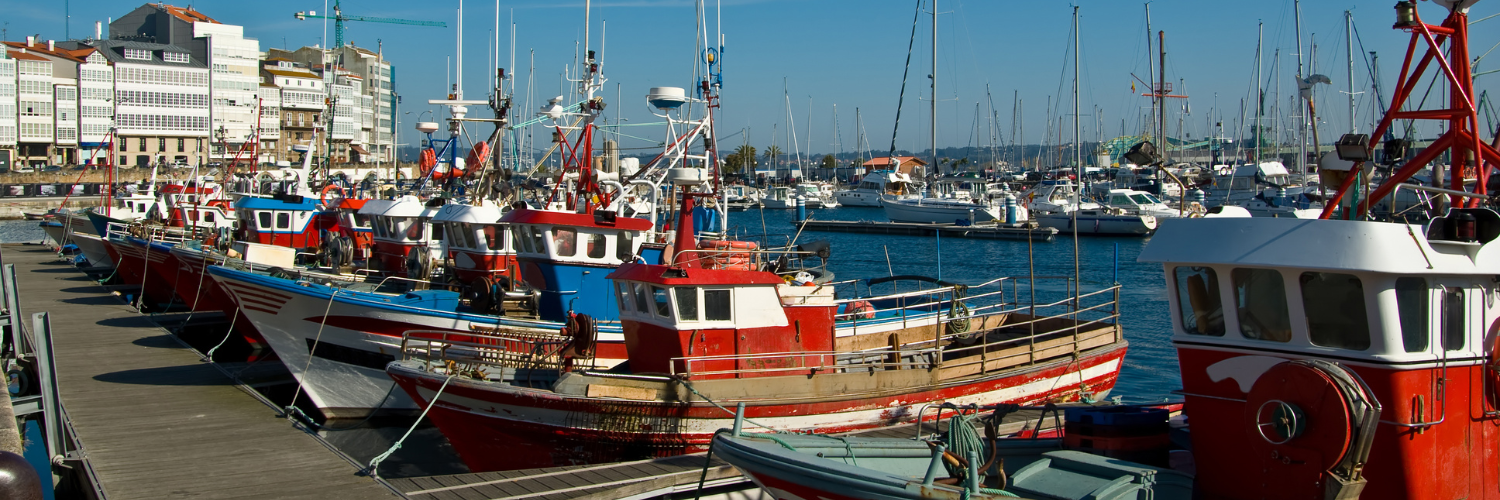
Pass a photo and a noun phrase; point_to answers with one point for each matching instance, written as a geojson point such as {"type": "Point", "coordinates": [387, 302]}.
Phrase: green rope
{"type": "Point", "coordinates": [958, 313]}
{"type": "Point", "coordinates": [962, 439]}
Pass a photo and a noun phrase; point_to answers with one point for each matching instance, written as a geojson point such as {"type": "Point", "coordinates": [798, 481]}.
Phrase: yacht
{"type": "Point", "coordinates": [876, 186]}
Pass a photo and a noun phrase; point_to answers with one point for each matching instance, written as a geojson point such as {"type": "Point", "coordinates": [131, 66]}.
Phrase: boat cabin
{"type": "Point", "coordinates": [721, 323]}
{"type": "Point", "coordinates": [478, 244]}
{"type": "Point", "coordinates": [564, 256]}
{"type": "Point", "coordinates": [281, 220]}
{"type": "Point", "coordinates": [356, 226]}
{"type": "Point", "coordinates": [405, 241]}
{"type": "Point", "coordinates": [1400, 318]}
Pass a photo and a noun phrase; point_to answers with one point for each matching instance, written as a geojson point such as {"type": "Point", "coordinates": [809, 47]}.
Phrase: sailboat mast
{"type": "Point", "coordinates": [1260, 97]}
{"type": "Point", "coordinates": [1302, 118]}
{"type": "Point", "coordinates": [932, 82]}
{"type": "Point", "coordinates": [1077, 150]}
{"type": "Point", "coordinates": [1161, 91]}
{"type": "Point", "coordinates": [1151, 72]}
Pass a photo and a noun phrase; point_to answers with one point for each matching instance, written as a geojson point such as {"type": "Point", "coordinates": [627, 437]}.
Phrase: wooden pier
{"type": "Point", "coordinates": [977, 231]}
{"type": "Point", "coordinates": [154, 420]}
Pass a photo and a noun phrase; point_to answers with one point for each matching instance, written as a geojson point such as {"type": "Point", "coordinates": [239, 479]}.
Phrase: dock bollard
{"type": "Point", "coordinates": [1010, 208]}
{"type": "Point", "coordinates": [801, 208]}
{"type": "Point", "coordinates": [1200, 197]}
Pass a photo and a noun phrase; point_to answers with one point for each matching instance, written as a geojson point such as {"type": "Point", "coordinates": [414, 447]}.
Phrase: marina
{"type": "Point", "coordinates": [980, 231]}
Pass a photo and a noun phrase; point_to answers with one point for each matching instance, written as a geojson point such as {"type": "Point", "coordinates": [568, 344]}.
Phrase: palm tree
{"type": "Point", "coordinates": [773, 152]}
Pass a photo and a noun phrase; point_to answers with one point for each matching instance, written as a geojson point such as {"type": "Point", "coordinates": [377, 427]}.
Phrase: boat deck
{"type": "Point", "coordinates": [977, 231]}
{"type": "Point", "coordinates": [157, 422]}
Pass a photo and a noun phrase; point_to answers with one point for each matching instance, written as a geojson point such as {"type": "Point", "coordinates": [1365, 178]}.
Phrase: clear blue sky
{"type": "Point", "coordinates": [851, 53]}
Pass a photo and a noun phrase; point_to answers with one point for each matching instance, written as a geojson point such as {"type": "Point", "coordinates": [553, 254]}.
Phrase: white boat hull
{"type": "Point", "coordinates": [93, 249]}
{"type": "Point", "coordinates": [858, 199]}
{"type": "Point", "coordinates": [938, 212]}
{"type": "Point", "coordinates": [1117, 225]}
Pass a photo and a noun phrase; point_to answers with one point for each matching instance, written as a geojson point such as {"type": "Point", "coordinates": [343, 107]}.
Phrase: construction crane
{"type": "Point", "coordinates": [338, 18]}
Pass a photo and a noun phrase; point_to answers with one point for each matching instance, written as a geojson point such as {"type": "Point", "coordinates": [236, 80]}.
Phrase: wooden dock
{"type": "Point", "coordinates": [656, 478]}
{"type": "Point", "coordinates": [977, 231]}
{"type": "Point", "coordinates": [153, 419]}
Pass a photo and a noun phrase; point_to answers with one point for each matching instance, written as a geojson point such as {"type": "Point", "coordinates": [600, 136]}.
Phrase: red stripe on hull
{"type": "Point", "coordinates": [397, 329]}
{"type": "Point", "coordinates": [491, 439]}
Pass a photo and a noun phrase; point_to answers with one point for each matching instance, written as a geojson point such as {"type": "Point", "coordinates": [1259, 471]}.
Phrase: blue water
{"type": "Point", "coordinates": [1150, 370]}
{"type": "Point", "coordinates": [21, 231]}
{"type": "Point", "coordinates": [36, 455]}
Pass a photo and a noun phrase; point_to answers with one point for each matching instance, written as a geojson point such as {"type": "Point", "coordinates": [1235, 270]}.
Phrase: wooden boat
{"type": "Point", "coordinates": [715, 328]}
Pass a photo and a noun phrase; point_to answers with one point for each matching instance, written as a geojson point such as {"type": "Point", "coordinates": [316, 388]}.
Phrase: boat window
{"type": "Point", "coordinates": [622, 294]}
{"type": "Point", "coordinates": [1198, 298]}
{"type": "Point", "coordinates": [437, 229]}
{"type": "Point", "coordinates": [597, 242]}
{"type": "Point", "coordinates": [283, 220]}
{"type": "Point", "coordinates": [716, 305]}
{"type": "Point", "coordinates": [412, 228]}
{"type": "Point", "coordinates": [520, 240]}
{"type": "Point", "coordinates": [1335, 308]}
{"type": "Point", "coordinates": [361, 220]}
{"type": "Point", "coordinates": [494, 236]}
{"type": "Point", "coordinates": [625, 246]}
{"type": "Point", "coordinates": [640, 299]}
{"type": "Point", "coordinates": [463, 235]}
{"type": "Point", "coordinates": [538, 241]}
{"type": "Point", "coordinates": [663, 304]}
{"type": "Point", "coordinates": [687, 303]}
{"type": "Point", "coordinates": [264, 219]}
{"type": "Point", "coordinates": [1260, 297]}
{"type": "Point", "coordinates": [565, 240]}
{"type": "Point", "coordinates": [208, 216]}
{"type": "Point", "coordinates": [1411, 303]}
{"type": "Point", "coordinates": [1119, 200]}
{"type": "Point", "coordinates": [1144, 199]}
{"type": "Point", "coordinates": [1453, 318]}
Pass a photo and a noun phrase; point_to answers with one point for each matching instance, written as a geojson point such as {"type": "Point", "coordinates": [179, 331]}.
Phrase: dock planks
{"type": "Point", "coordinates": [155, 421]}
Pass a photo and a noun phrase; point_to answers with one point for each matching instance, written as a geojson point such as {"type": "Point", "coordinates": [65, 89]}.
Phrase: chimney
{"type": "Point", "coordinates": [30, 40]}
{"type": "Point", "coordinates": [51, 47]}
{"type": "Point", "coordinates": [98, 30]}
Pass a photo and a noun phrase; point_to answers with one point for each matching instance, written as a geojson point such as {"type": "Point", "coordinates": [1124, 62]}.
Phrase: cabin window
{"type": "Point", "coordinates": [519, 239]}
{"type": "Point", "coordinates": [1144, 199]}
{"type": "Point", "coordinates": [1198, 299]}
{"type": "Point", "coordinates": [640, 299]}
{"type": "Point", "coordinates": [1335, 308]}
{"type": "Point", "coordinates": [687, 304]}
{"type": "Point", "coordinates": [413, 228]}
{"type": "Point", "coordinates": [597, 242]}
{"type": "Point", "coordinates": [538, 242]}
{"type": "Point", "coordinates": [437, 229]}
{"type": "Point", "coordinates": [624, 246]}
{"type": "Point", "coordinates": [462, 235]}
{"type": "Point", "coordinates": [716, 305]}
{"type": "Point", "coordinates": [565, 240]}
{"type": "Point", "coordinates": [663, 304]}
{"type": "Point", "coordinates": [494, 237]}
{"type": "Point", "coordinates": [1119, 200]}
{"type": "Point", "coordinates": [361, 220]}
{"type": "Point", "coordinates": [264, 219]}
{"type": "Point", "coordinates": [1453, 318]}
{"type": "Point", "coordinates": [1411, 302]}
{"type": "Point", "coordinates": [208, 216]}
{"type": "Point", "coordinates": [1260, 297]}
{"type": "Point", "coordinates": [283, 220]}
{"type": "Point", "coordinates": [622, 293]}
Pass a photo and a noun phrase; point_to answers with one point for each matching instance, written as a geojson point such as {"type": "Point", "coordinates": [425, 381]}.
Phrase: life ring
{"type": "Point", "coordinates": [428, 162]}
{"type": "Point", "coordinates": [478, 155]}
{"type": "Point", "coordinates": [323, 197]}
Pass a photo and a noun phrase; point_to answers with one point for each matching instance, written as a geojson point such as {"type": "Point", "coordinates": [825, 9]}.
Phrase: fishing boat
{"type": "Point", "coordinates": [405, 240]}
{"type": "Point", "coordinates": [720, 325]}
{"type": "Point", "coordinates": [877, 185]}
{"type": "Point", "coordinates": [1360, 366]}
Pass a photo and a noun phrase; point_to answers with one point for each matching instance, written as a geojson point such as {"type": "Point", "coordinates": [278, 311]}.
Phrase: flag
{"type": "Point", "coordinates": [1132, 87]}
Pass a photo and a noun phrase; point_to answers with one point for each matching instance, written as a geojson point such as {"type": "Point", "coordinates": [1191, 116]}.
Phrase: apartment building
{"type": "Point", "coordinates": [7, 108]}
{"type": "Point", "coordinates": [361, 85]}
{"type": "Point", "coordinates": [303, 101]}
{"type": "Point", "coordinates": [161, 105]}
{"type": "Point", "coordinates": [35, 107]}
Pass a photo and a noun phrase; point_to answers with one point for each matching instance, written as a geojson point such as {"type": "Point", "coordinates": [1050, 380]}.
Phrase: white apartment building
{"type": "Point", "coordinates": [161, 105]}
{"type": "Point", "coordinates": [7, 109]}
{"type": "Point", "coordinates": [96, 108]}
{"type": "Point", "coordinates": [303, 102]}
{"type": "Point", "coordinates": [270, 124]}
{"type": "Point", "coordinates": [235, 81]}
{"type": "Point", "coordinates": [35, 107]}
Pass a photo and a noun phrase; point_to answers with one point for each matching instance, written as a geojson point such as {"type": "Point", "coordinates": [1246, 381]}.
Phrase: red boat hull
{"type": "Point", "coordinates": [495, 427]}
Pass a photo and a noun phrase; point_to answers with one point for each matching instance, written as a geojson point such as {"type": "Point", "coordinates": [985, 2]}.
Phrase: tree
{"type": "Point", "coordinates": [741, 160]}
{"type": "Point", "coordinates": [829, 162]}
{"type": "Point", "coordinates": [773, 152]}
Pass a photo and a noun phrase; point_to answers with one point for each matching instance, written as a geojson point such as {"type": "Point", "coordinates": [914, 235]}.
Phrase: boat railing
{"type": "Point", "coordinates": [957, 351]}
{"type": "Point", "coordinates": [911, 308]}
{"type": "Point", "coordinates": [148, 232]}
{"type": "Point", "coordinates": [744, 258]}
{"type": "Point", "coordinates": [474, 351]}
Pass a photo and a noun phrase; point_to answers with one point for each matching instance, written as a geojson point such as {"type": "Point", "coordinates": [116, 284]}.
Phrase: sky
{"type": "Point", "coordinates": [850, 55]}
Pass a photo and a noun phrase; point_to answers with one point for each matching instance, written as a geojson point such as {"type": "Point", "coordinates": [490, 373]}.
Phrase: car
{"type": "Point", "coordinates": [52, 168]}
{"type": "Point", "coordinates": [22, 169]}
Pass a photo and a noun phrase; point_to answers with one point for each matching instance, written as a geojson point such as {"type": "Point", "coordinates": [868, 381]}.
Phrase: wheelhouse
{"type": "Point", "coordinates": [1410, 320]}
{"type": "Point", "coordinates": [281, 220]}
{"type": "Point", "coordinates": [564, 256]}
{"type": "Point", "coordinates": [478, 244]}
{"type": "Point", "coordinates": [404, 236]}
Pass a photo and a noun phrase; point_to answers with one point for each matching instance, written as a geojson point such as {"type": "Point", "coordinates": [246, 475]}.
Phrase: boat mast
{"type": "Point", "coordinates": [1260, 96]}
{"type": "Point", "coordinates": [1077, 150]}
{"type": "Point", "coordinates": [932, 83]}
{"type": "Point", "coordinates": [1151, 73]}
{"type": "Point", "coordinates": [1349, 46]}
{"type": "Point", "coordinates": [1302, 118]}
{"type": "Point", "coordinates": [1161, 94]}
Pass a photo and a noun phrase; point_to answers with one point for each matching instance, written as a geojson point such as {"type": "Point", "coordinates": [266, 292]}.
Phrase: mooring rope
{"type": "Point", "coordinates": [310, 350]}
{"type": "Point", "coordinates": [373, 468]}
